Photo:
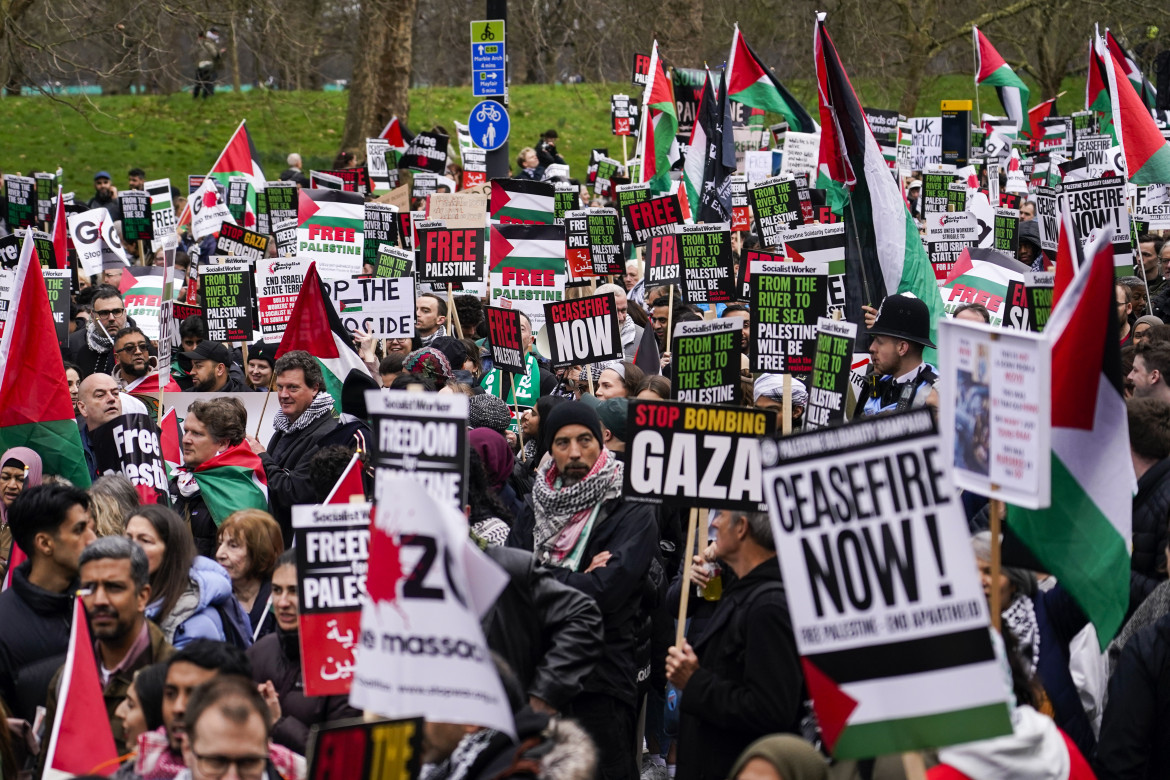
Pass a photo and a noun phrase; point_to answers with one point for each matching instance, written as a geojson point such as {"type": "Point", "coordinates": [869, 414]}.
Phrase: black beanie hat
{"type": "Point", "coordinates": [572, 413]}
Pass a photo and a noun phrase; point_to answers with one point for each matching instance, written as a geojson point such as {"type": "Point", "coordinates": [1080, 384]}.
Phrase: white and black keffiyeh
{"type": "Point", "coordinates": [322, 404]}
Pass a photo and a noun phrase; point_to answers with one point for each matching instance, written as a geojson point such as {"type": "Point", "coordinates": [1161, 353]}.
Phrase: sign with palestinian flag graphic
{"type": "Point", "coordinates": [520, 201]}
{"type": "Point", "coordinates": [330, 230]}
{"type": "Point", "coordinates": [527, 268]}
{"type": "Point", "coordinates": [824, 244]}
{"type": "Point", "coordinates": [889, 617]}
{"type": "Point", "coordinates": [974, 280]}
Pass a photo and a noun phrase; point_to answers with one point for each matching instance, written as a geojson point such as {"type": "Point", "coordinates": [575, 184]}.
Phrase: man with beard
{"type": "Point", "coordinates": [211, 369]}
{"type": "Point", "coordinates": [105, 195]}
{"type": "Point", "coordinates": [135, 363]}
{"type": "Point", "coordinates": [590, 538]}
{"type": "Point", "coordinates": [115, 585]}
{"type": "Point", "coordinates": [92, 349]}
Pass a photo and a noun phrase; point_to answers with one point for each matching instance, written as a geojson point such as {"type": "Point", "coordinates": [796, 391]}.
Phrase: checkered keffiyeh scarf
{"type": "Point", "coordinates": [562, 512]}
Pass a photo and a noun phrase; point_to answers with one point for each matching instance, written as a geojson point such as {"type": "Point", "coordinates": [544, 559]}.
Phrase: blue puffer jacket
{"type": "Point", "coordinates": [204, 610]}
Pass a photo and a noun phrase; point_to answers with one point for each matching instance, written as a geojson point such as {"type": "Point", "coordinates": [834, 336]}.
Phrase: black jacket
{"type": "Point", "coordinates": [277, 657]}
{"type": "Point", "coordinates": [549, 633]}
{"type": "Point", "coordinates": [286, 464]}
{"type": "Point", "coordinates": [628, 531]}
{"type": "Point", "coordinates": [34, 638]}
{"type": "Point", "coordinates": [1151, 510]}
{"type": "Point", "coordinates": [749, 682]}
{"type": "Point", "coordinates": [194, 510]}
{"type": "Point", "coordinates": [1135, 730]}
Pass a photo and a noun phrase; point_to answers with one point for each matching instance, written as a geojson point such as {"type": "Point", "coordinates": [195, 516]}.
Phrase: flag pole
{"type": "Point", "coordinates": [685, 591]}
{"type": "Point", "coordinates": [975, 41]}
{"type": "Point", "coordinates": [996, 508]}
{"type": "Point", "coordinates": [263, 409]}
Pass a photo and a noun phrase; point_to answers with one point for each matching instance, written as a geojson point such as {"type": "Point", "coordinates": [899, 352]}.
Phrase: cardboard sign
{"type": "Point", "coordinates": [623, 121]}
{"type": "Point", "coordinates": [800, 153]}
{"type": "Point", "coordinates": [1047, 218]}
{"type": "Point", "coordinates": [285, 235]}
{"type": "Point", "coordinates": [947, 235]}
{"type": "Point", "coordinates": [332, 543]}
{"type": "Point", "coordinates": [447, 254]}
{"type": "Point", "coordinates": [1038, 287]}
{"type": "Point", "coordinates": [705, 358]}
{"type": "Point", "coordinates": [420, 436]}
{"type": "Point", "coordinates": [776, 206]}
{"type": "Point", "coordinates": [663, 265]}
{"type": "Point", "coordinates": [162, 212]}
{"type": "Point", "coordinates": [96, 239]}
{"type": "Point", "coordinates": [384, 307]}
{"type": "Point", "coordinates": [705, 256]}
{"type": "Point", "coordinates": [236, 241]}
{"type": "Point", "coordinates": [830, 377]}
{"type": "Point", "coordinates": [686, 455]}
{"type": "Point", "coordinates": [393, 262]}
{"type": "Point", "coordinates": [380, 227]}
{"type": "Point", "coordinates": [1097, 204]}
{"type": "Point", "coordinates": [278, 282]}
{"type": "Point", "coordinates": [46, 192]}
{"type": "Point", "coordinates": [504, 337]}
{"type": "Point", "coordinates": [627, 195]}
{"type": "Point", "coordinates": [882, 587]}
{"type": "Point", "coordinates": [474, 167]}
{"type": "Point", "coordinates": [20, 193]}
{"type": "Point", "coordinates": [129, 445]}
{"type": "Point", "coordinates": [786, 301]}
{"type": "Point", "coordinates": [57, 283]}
{"type": "Point", "coordinates": [583, 330]}
{"type": "Point", "coordinates": [330, 229]}
{"type": "Point", "coordinates": [654, 217]}
{"type": "Point", "coordinates": [594, 235]}
{"type": "Point", "coordinates": [527, 268]}
{"type": "Point", "coordinates": [208, 209]}
{"type": "Point", "coordinates": [282, 200]}
{"type": "Point", "coordinates": [741, 212]}
{"type": "Point", "coordinates": [144, 298]}
{"type": "Point", "coordinates": [997, 420]}
{"type": "Point", "coordinates": [226, 292]}
{"type": "Point", "coordinates": [426, 152]}
{"type": "Point", "coordinates": [640, 76]}
{"type": "Point", "coordinates": [567, 198]}
{"type": "Point", "coordinates": [1095, 150]}
{"type": "Point", "coordinates": [926, 142]}
{"type": "Point", "coordinates": [935, 190]}
{"type": "Point", "coordinates": [1015, 314]}
{"type": "Point", "coordinates": [137, 219]}
{"type": "Point", "coordinates": [365, 750]}
{"type": "Point", "coordinates": [237, 197]}
{"type": "Point", "coordinates": [377, 165]}
{"type": "Point", "coordinates": [1007, 231]}
{"type": "Point", "coordinates": [824, 244]}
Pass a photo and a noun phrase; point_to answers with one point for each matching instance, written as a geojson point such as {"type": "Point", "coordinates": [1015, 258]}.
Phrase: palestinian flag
{"type": "Point", "coordinates": [1083, 537]}
{"type": "Point", "coordinates": [349, 487]}
{"type": "Point", "coordinates": [315, 328]}
{"type": "Point", "coordinates": [171, 441]}
{"type": "Point", "coordinates": [884, 254]}
{"type": "Point", "coordinates": [238, 159]}
{"type": "Point", "coordinates": [702, 142]}
{"type": "Point", "coordinates": [1036, 116]}
{"type": "Point", "coordinates": [395, 134]}
{"type": "Point", "coordinates": [992, 70]}
{"type": "Point", "coordinates": [60, 232]}
{"type": "Point", "coordinates": [331, 223]}
{"type": "Point", "coordinates": [750, 83]}
{"type": "Point", "coordinates": [1128, 63]}
{"type": "Point", "coordinates": [1097, 87]}
{"type": "Point", "coordinates": [657, 145]}
{"type": "Point", "coordinates": [234, 479]}
{"type": "Point", "coordinates": [15, 557]}
{"type": "Point", "coordinates": [81, 741]}
{"type": "Point", "coordinates": [1147, 155]}
{"type": "Point", "coordinates": [522, 201]}
{"type": "Point", "coordinates": [519, 255]}
{"type": "Point", "coordinates": [35, 408]}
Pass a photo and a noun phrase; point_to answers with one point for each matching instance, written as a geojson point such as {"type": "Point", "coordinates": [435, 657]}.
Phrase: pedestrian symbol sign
{"type": "Point", "coordinates": [488, 58]}
{"type": "Point", "coordinates": [489, 125]}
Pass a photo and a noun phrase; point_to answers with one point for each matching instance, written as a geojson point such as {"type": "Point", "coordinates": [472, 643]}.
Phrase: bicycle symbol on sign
{"type": "Point", "coordinates": [488, 113]}
{"type": "Point", "coordinates": [487, 34]}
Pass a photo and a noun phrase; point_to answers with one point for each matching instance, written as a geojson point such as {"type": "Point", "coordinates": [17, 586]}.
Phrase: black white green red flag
{"type": "Point", "coordinates": [657, 145]}
{"type": "Point", "coordinates": [752, 84]}
{"type": "Point", "coordinates": [991, 69]}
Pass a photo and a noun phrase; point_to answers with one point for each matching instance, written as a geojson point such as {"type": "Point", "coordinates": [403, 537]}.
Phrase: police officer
{"type": "Point", "coordinates": [899, 379]}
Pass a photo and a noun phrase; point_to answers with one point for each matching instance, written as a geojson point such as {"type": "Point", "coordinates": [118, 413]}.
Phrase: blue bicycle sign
{"type": "Point", "coordinates": [489, 125]}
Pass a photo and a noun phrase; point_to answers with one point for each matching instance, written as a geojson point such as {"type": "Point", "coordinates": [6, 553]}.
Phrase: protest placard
{"type": "Point", "coordinates": [947, 235]}
{"type": "Point", "coordinates": [474, 167]}
{"type": "Point", "coordinates": [380, 226]}
{"type": "Point", "coordinates": [96, 239]}
{"type": "Point", "coordinates": [143, 297]}
{"type": "Point", "coordinates": [426, 152]}
{"type": "Point", "coordinates": [926, 140]}
{"type": "Point", "coordinates": [278, 282]}
{"type": "Point", "coordinates": [757, 165]}
{"type": "Point", "coordinates": [663, 265]}
{"type": "Point", "coordinates": [208, 209]}
{"type": "Point", "coordinates": [800, 153]}
{"type": "Point", "coordinates": [285, 235]}
{"type": "Point", "coordinates": [392, 262]}
{"type": "Point", "coordinates": [164, 223]}
{"type": "Point", "coordinates": [687, 455]}
{"type": "Point", "coordinates": [619, 115]}
{"type": "Point", "coordinates": [704, 252]}
{"type": "Point", "coordinates": [829, 387]}
{"type": "Point", "coordinates": [129, 445]}
{"type": "Point", "coordinates": [330, 227]}
{"type": "Point", "coordinates": [1047, 218]}
{"type": "Point", "coordinates": [1095, 150]}
{"type": "Point", "coordinates": [383, 307]}
{"type": "Point", "coordinates": [978, 280]}
{"type": "Point", "coordinates": [627, 195]}
{"type": "Point", "coordinates": [7, 280]}
{"type": "Point", "coordinates": [237, 197]}
{"type": "Point", "coordinates": [825, 244]}
{"type": "Point", "coordinates": [1097, 204]}
{"type": "Point", "coordinates": [568, 198]}
{"type": "Point", "coordinates": [749, 259]}
{"type": "Point", "coordinates": [741, 212]}
{"type": "Point", "coordinates": [1007, 231]}
{"type": "Point", "coordinates": [226, 293]}
{"type": "Point", "coordinates": [1150, 205]}
{"type": "Point", "coordinates": [1015, 314]}
{"type": "Point", "coordinates": [653, 217]}
{"type": "Point", "coordinates": [935, 190]}
{"type": "Point", "coordinates": [527, 268]}
{"type": "Point", "coordinates": [705, 361]}
{"type": "Point", "coordinates": [996, 422]}
{"type": "Point", "coordinates": [46, 192]}
{"type": "Point", "coordinates": [882, 587]}
{"type": "Point", "coordinates": [236, 241]}
{"type": "Point", "coordinates": [20, 194]}
{"type": "Point", "coordinates": [583, 330]}
{"type": "Point", "coordinates": [282, 200]}
{"type": "Point", "coordinates": [446, 254]}
{"type": "Point", "coordinates": [366, 750]}
{"type": "Point", "coordinates": [420, 436]}
{"type": "Point", "coordinates": [1038, 286]}
{"type": "Point", "coordinates": [137, 218]}
{"type": "Point", "coordinates": [578, 251]}
{"type": "Point", "coordinates": [504, 337]}
{"type": "Point", "coordinates": [263, 223]}
{"type": "Point", "coordinates": [429, 586]}
{"type": "Point", "coordinates": [776, 206]}
{"type": "Point", "coordinates": [786, 301]}
{"type": "Point", "coordinates": [332, 543]}
{"type": "Point", "coordinates": [57, 283]}
{"type": "Point", "coordinates": [376, 163]}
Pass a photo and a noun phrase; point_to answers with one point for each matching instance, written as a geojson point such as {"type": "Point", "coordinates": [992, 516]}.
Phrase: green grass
{"type": "Point", "coordinates": [174, 136]}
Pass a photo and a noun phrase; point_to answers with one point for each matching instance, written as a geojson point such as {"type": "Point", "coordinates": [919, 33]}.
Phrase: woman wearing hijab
{"type": "Point", "coordinates": [20, 469]}
{"type": "Point", "coordinates": [498, 461]}
{"type": "Point", "coordinates": [780, 757]}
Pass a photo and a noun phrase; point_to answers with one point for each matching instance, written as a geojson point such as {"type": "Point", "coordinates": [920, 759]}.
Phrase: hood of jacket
{"type": "Point", "coordinates": [1034, 751]}
{"type": "Point", "coordinates": [214, 583]}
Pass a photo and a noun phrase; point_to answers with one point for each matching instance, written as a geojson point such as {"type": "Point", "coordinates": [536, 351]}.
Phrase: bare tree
{"type": "Point", "coordinates": [380, 87]}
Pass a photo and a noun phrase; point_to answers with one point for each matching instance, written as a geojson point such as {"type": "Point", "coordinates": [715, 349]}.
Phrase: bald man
{"type": "Point", "coordinates": [100, 400]}
{"type": "Point", "coordinates": [631, 333]}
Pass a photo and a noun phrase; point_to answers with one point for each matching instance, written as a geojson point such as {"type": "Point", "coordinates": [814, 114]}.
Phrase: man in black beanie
{"type": "Point", "coordinates": [577, 523]}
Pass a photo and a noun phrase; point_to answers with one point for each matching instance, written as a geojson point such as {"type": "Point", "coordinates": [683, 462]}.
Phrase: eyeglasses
{"type": "Point", "coordinates": [247, 767]}
{"type": "Point", "coordinates": [130, 349]}
{"type": "Point", "coordinates": [109, 312]}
